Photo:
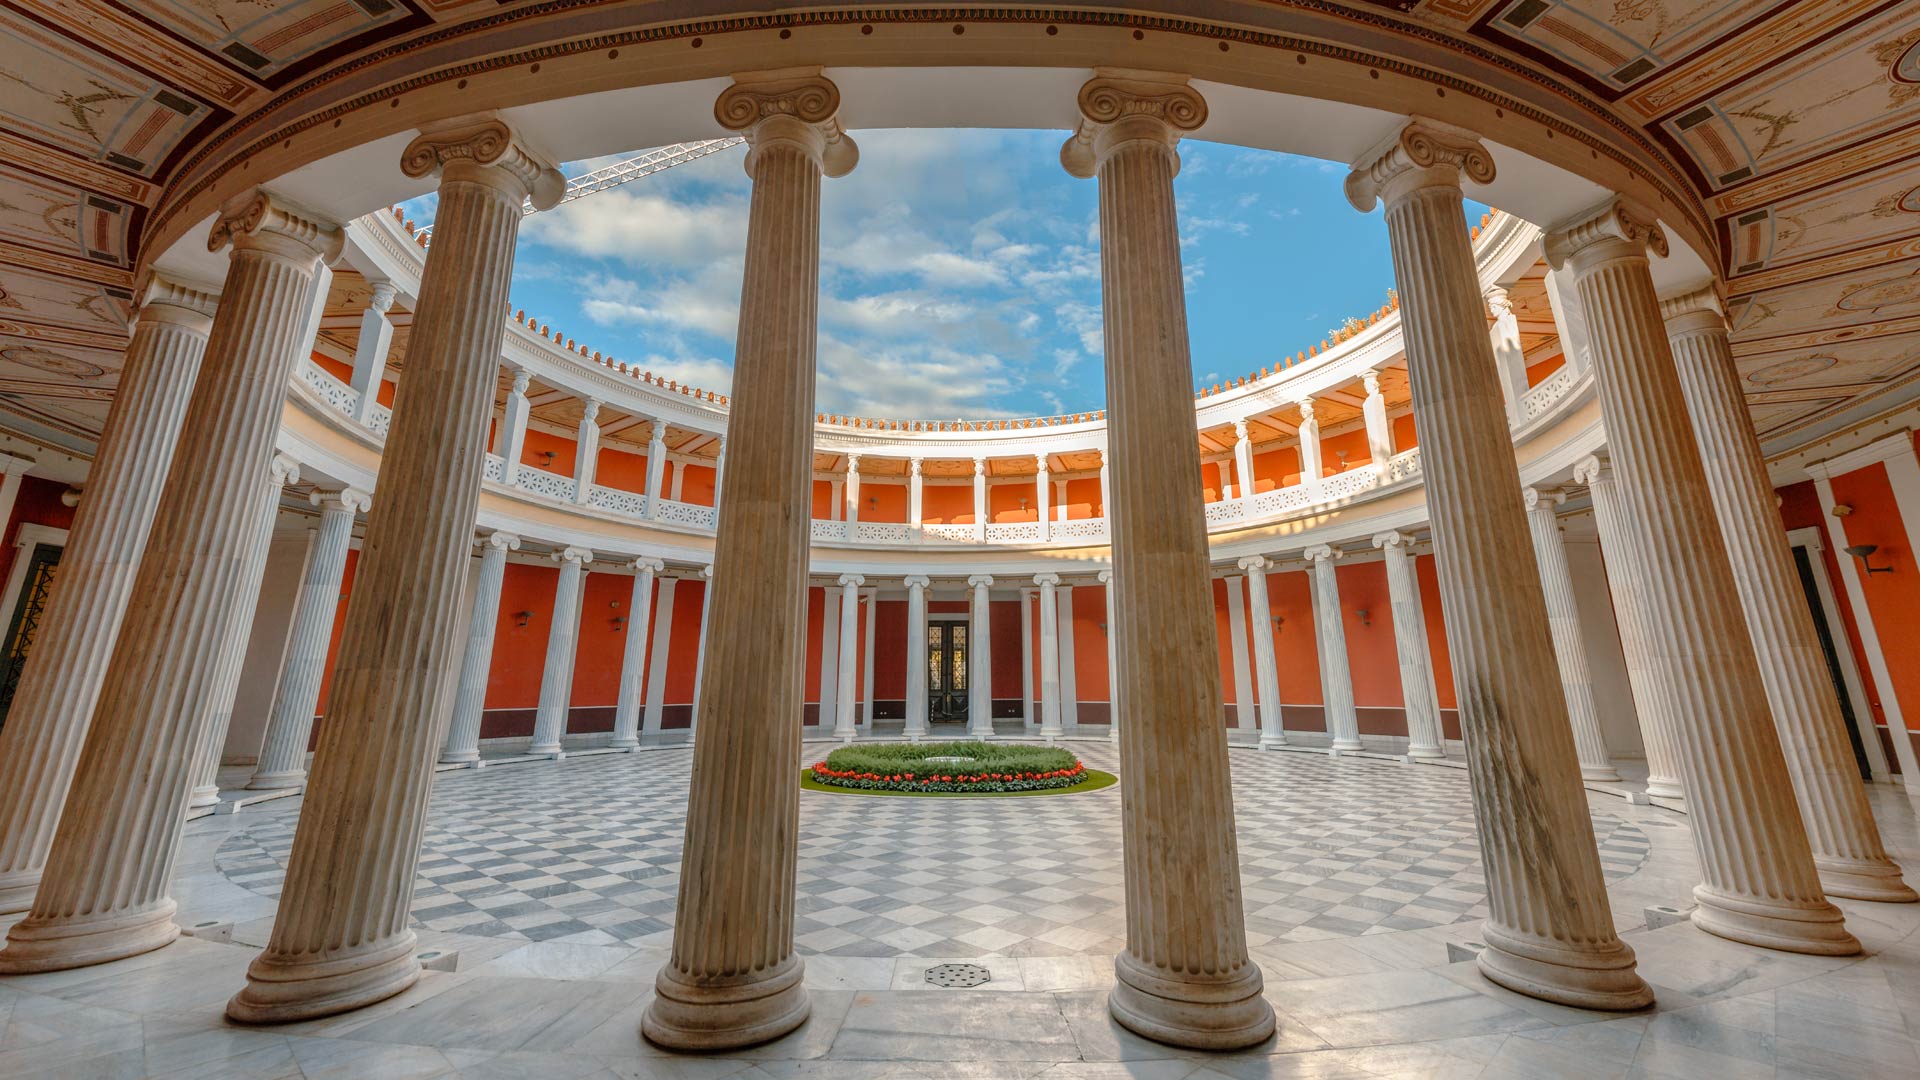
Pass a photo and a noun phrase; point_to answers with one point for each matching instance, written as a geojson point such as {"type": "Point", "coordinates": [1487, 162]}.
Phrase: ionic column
{"type": "Point", "coordinates": [1510, 358]}
{"type": "Point", "coordinates": [719, 475]}
{"type": "Point", "coordinates": [1049, 657]}
{"type": "Point", "coordinates": [1330, 639]}
{"type": "Point", "coordinates": [843, 702]}
{"type": "Point", "coordinates": [700, 648]}
{"type": "Point", "coordinates": [513, 426]}
{"type": "Point", "coordinates": [104, 891]}
{"type": "Point", "coordinates": [1309, 436]}
{"type": "Point", "coordinates": [1761, 886]}
{"type": "Point", "coordinates": [734, 978]}
{"type": "Point", "coordinates": [340, 939]}
{"type": "Point", "coordinates": [1106, 498]}
{"type": "Point", "coordinates": [13, 468]}
{"type": "Point", "coordinates": [1410, 645]}
{"type": "Point", "coordinates": [853, 490]}
{"type": "Point", "coordinates": [1550, 933]}
{"type": "Point", "coordinates": [916, 656]}
{"type": "Point", "coordinates": [1111, 631]}
{"type": "Point", "coordinates": [1266, 674]}
{"type": "Point", "coordinates": [633, 657]}
{"type": "Point", "coordinates": [1563, 618]}
{"type": "Point", "coordinates": [1042, 496]}
{"type": "Point", "coordinates": [370, 353]}
{"type": "Point", "coordinates": [656, 465]}
{"type": "Point", "coordinates": [1847, 850]}
{"type": "Point", "coordinates": [563, 637]}
{"type": "Point", "coordinates": [914, 491]}
{"type": "Point", "coordinates": [1185, 977]}
{"type": "Point", "coordinates": [980, 499]}
{"type": "Point", "coordinates": [1651, 706]}
{"type": "Point", "coordinates": [980, 660]}
{"type": "Point", "coordinates": [1242, 461]}
{"type": "Point", "coordinates": [1373, 411]}
{"type": "Point", "coordinates": [283, 756]}
{"type": "Point", "coordinates": [40, 744]}
{"type": "Point", "coordinates": [586, 451]}
{"type": "Point", "coordinates": [462, 746]}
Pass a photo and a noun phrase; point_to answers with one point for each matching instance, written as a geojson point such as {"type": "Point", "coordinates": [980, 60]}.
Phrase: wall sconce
{"type": "Point", "coordinates": [1364, 619]}
{"type": "Point", "coordinates": [1103, 629]}
{"type": "Point", "coordinates": [520, 617]}
{"type": "Point", "coordinates": [1278, 620]}
{"type": "Point", "coordinates": [619, 623]}
{"type": "Point", "coordinates": [1864, 552]}
{"type": "Point", "coordinates": [548, 455]}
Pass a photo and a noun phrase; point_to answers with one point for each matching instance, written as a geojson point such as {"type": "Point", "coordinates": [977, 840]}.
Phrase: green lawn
{"type": "Point", "coordinates": [1094, 782]}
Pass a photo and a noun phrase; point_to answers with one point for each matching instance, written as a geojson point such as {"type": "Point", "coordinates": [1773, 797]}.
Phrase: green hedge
{"type": "Point", "coordinates": [996, 767]}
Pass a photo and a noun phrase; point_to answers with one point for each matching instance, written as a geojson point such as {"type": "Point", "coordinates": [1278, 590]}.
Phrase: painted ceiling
{"type": "Point", "coordinates": [1796, 121]}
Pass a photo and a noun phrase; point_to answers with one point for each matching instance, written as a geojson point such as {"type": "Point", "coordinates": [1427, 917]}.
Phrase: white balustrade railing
{"type": "Point", "coordinates": [1552, 389]}
{"type": "Point", "coordinates": [496, 469]}
{"type": "Point", "coordinates": [1404, 465]}
{"type": "Point", "coordinates": [944, 531]}
{"type": "Point", "coordinates": [670, 512]}
{"type": "Point", "coordinates": [827, 531]}
{"type": "Point", "coordinates": [379, 418]}
{"type": "Point", "coordinates": [1092, 530]}
{"type": "Point", "coordinates": [617, 500]}
{"type": "Point", "coordinates": [1224, 511]}
{"type": "Point", "coordinates": [880, 532]}
{"type": "Point", "coordinates": [542, 482]}
{"type": "Point", "coordinates": [329, 389]}
{"type": "Point", "coordinates": [1013, 532]}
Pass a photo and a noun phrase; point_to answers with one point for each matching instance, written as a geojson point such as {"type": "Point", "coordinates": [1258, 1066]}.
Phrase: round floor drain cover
{"type": "Point", "coordinates": [957, 975]}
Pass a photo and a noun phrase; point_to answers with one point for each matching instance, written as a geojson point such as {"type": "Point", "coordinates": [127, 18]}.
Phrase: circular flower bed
{"type": "Point", "coordinates": [950, 768]}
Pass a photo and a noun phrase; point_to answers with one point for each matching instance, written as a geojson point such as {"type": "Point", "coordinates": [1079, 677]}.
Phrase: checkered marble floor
{"type": "Point", "coordinates": [588, 849]}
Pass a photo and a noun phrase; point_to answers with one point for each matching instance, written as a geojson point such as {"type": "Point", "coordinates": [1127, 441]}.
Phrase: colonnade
{"type": "Point", "coordinates": [341, 940]}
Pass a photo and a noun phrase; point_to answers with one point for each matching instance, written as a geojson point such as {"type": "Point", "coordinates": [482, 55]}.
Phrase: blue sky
{"type": "Point", "coordinates": [960, 271]}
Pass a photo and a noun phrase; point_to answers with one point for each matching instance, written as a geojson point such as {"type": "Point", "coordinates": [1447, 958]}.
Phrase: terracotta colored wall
{"type": "Point", "coordinates": [339, 369]}
{"type": "Point", "coordinates": [1539, 371]}
{"type": "Point", "coordinates": [946, 504]}
{"type": "Point", "coordinates": [1404, 435]}
{"type": "Point", "coordinates": [1276, 468]}
{"type": "Point", "coordinates": [1223, 638]}
{"type": "Point", "coordinates": [885, 501]}
{"type": "Point", "coordinates": [1371, 654]}
{"type": "Point", "coordinates": [1003, 502]}
{"type": "Point", "coordinates": [520, 652]}
{"type": "Point", "coordinates": [1083, 498]}
{"type": "Point", "coordinates": [620, 469]}
{"type": "Point", "coordinates": [1004, 641]}
{"type": "Point", "coordinates": [534, 452]}
{"type": "Point", "coordinates": [1090, 643]}
{"type": "Point", "coordinates": [333, 637]}
{"type": "Point", "coordinates": [1352, 443]}
{"type": "Point", "coordinates": [38, 503]}
{"type": "Point", "coordinates": [697, 488]}
{"type": "Point", "coordinates": [688, 598]}
{"type": "Point", "coordinates": [890, 651]}
{"type": "Point", "coordinates": [1893, 599]}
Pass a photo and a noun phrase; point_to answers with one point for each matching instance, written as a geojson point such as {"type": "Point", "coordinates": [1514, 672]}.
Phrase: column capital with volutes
{"type": "Point", "coordinates": [1615, 228]}
{"type": "Point", "coordinates": [505, 541]}
{"type": "Point", "coordinates": [259, 220]}
{"type": "Point", "coordinates": [649, 564]}
{"type": "Point", "coordinates": [1119, 106]}
{"type": "Point", "coordinates": [1320, 552]}
{"type": "Point", "coordinates": [1424, 154]}
{"type": "Point", "coordinates": [914, 581]}
{"type": "Point", "coordinates": [1697, 311]}
{"type": "Point", "coordinates": [1393, 538]}
{"type": "Point", "coordinates": [1256, 564]}
{"type": "Point", "coordinates": [798, 107]}
{"type": "Point", "coordinates": [980, 581]}
{"type": "Point", "coordinates": [1046, 580]}
{"type": "Point", "coordinates": [285, 471]}
{"type": "Point", "coordinates": [575, 555]}
{"type": "Point", "coordinates": [348, 500]}
{"type": "Point", "coordinates": [1542, 498]}
{"type": "Point", "coordinates": [485, 149]}
{"type": "Point", "coordinates": [1105, 577]}
{"type": "Point", "coordinates": [1591, 470]}
{"type": "Point", "coordinates": [852, 581]}
{"type": "Point", "coordinates": [192, 303]}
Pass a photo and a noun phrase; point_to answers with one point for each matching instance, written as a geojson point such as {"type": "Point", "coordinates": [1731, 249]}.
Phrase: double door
{"type": "Point", "coordinates": [947, 659]}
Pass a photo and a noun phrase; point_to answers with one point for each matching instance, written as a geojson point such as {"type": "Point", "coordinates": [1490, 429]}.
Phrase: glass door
{"type": "Point", "coordinates": [947, 671]}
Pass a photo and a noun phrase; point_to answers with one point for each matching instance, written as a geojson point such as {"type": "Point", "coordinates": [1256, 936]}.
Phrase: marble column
{"type": "Point", "coordinates": [1266, 673]}
{"type": "Point", "coordinates": [734, 978]}
{"type": "Point", "coordinates": [656, 465]}
{"type": "Point", "coordinates": [1651, 706]}
{"type": "Point", "coordinates": [1242, 461]}
{"type": "Point", "coordinates": [1106, 498]}
{"type": "Point", "coordinates": [633, 656]}
{"type": "Point", "coordinates": [700, 648]}
{"type": "Point", "coordinates": [104, 891]}
{"type": "Point", "coordinates": [1373, 412]}
{"type": "Point", "coordinates": [1422, 700]}
{"type": "Point", "coordinates": [1309, 436]}
{"type": "Point", "coordinates": [852, 491]}
{"type": "Point", "coordinates": [916, 728]}
{"type": "Point", "coordinates": [1330, 640]}
{"type": "Point", "coordinates": [914, 493]}
{"type": "Point", "coordinates": [1563, 618]}
{"type": "Point", "coordinates": [1050, 728]}
{"type": "Point", "coordinates": [283, 756]}
{"type": "Point", "coordinates": [1550, 930]}
{"type": "Point", "coordinates": [1508, 356]}
{"type": "Point", "coordinates": [1761, 887]}
{"type": "Point", "coordinates": [563, 638]}
{"type": "Point", "coordinates": [980, 659]}
{"type": "Point", "coordinates": [1111, 631]}
{"type": "Point", "coordinates": [462, 746]}
{"type": "Point", "coordinates": [980, 499]}
{"type": "Point", "coordinates": [843, 702]}
{"type": "Point", "coordinates": [1847, 850]}
{"type": "Point", "coordinates": [513, 426]}
{"type": "Point", "coordinates": [1042, 496]}
{"type": "Point", "coordinates": [54, 702]}
{"type": "Point", "coordinates": [586, 451]}
{"type": "Point", "coordinates": [370, 352]}
{"type": "Point", "coordinates": [719, 475]}
{"type": "Point", "coordinates": [341, 938]}
{"type": "Point", "coordinates": [1185, 977]}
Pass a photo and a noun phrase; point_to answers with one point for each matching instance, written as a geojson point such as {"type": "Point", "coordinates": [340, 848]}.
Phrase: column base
{"type": "Point", "coordinates": [1425, 752]}
{"type": "Point", "coordinates": [203, 796]}
{"type": "Point", "coordinates": [1600, 774]}
{"type": "Point", "coordinates": [1590, 978]}
{"type": "Point", "coordinates": [1347, 744]}
{"type": "Point", "coordinates": [1272, 741]}
{"type": "Point", "coordinates": [59, 944]}
{"type": "Point", "coordinates": [727, 1016]}
{"type": "Point", "coordinates": [275, 781]}
{"type": "Point", "coordinates": [460, 757]}
{"type": "Point", "coordinates": [631, 742]}
{"type": "Point", "coordinates": [282, 990]}
{"type": "Point", "coordinates": [1818, 928]}
{"type": "Point", "coordinates": [1665, 787]}
{"type": "Point", "coordinates": [550, 750]}
{"type": "Point", "coordinates": [17, 889]}
{"type": "Point", "coordinates": [1853, 879]}
{"type": "Point", "coordinates": [1199, 1014]}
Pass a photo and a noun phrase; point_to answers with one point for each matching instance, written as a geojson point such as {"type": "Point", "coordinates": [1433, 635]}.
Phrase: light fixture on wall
{"type": "Point", "coordinates": [520, 617]}
{"type": "Point", "coordinates": [1365, 617]}
{"type": "Point", "coordinates": [548, 455]}
{"type": "Point", "coordinates": [1278, 621]}
{"type": "Point", "coordinates": [1864, 552]}
{"type": "Point", "coordinates": [619, 623]}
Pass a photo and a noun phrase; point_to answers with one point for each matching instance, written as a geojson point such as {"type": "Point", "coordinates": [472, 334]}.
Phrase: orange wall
{"type": "Point", "coordinates": [1893, 599]}
{"type": "Point", "coordinates": [1353, 443]}
{"type": "Point", "coordinates": [620, 469]}
{"type": "Point", "coordinates": [1083, 498]}
{"type": "Point", "coordinates": [1539, 371]}
{"type": "Point", "coordinates": [946, 504]}
{"type": "Point", "coordinates": [1276, 468]}
{"type": "Point", "coordinates": [883, 501]}
{"type": "Point", "coordinates": [1003, 502]}
{"type": "Point", "coordinates": [38, 503]}
{"type": "Point", "coordinates": [1090, 643]}
{"type": "Point", "coordinates": [534, 452]}
{"type": "Point", "coordinates": [1404, 436]}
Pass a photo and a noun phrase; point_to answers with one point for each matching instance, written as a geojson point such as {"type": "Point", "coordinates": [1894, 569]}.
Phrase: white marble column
{"type": "Point", "coordinates": [1050, 728]}
{"type": "Point", "coordinates": [370, 352]}
{"type": "Point", "coordinates": [341, 937]}
{"type": "Point", "coordinates": [563, 637]}
{"type": "Point", "coordinates": [700, 648]}
{"type": "Point", "coordinates": [1563, 618]}
{"type": "Point", "coordinates": [1550, 930]}
{"type": "Point", "coordinates": [1106, 499]}
{"type": "Point", "coordinates": [656, 465]}
{"type": "Point", "coordinates": [980, 659]}
{"type": "Point", "coordinates": [914, 492]}
{"type": "Point", "coordinates": [513, 426]}
{"type": "Point", "coordinates": [1330, 641]}
{"type": "Point", "coordinates": [1185, 977]}
{"type": "Point", "coordinates": [54, 702]}
{"type": "Point", "coordinates": [1309, 436]}
{"type": "Point", "coordinates": [853, 490]}
{"type": "Point", "coordinates": [980, 499]}
{"type": "Point", "coordinates": [283, 756]}
{"type": "Point", "coordinates": [1507, 353]}
{"type": "Point", "coordinates": [1111, 632]}
{"type": "Point", "coordinates": [1373, 412]}
{"type": "Point", "coordinates": [1802, 699]}
{"type": "Point", "coordinates": [12, 469]}
{"type": "Point", "coordinates": [1266, 672]}
{"type": "Point", "coordinates": [1417, 691]}
{"type": "Point", "coordinates": [462, 746]}
{"type": "Point", "coordinates": [1042, 497]}
{"type": "Point", "coordinates": [586, 451]}
{"type": "Point", "coordinates": [916, 728]}
{"type": "Point", "coordinates": [633, 655]}
{"type": "Point", "coordinates": [844, 695]}
{"type": "Point", "coordinates": [1760, 884]}
{"type": "Point", "coordinates": [734, 978]}
{"type": "Point", "coordinates": [104, 891]}
{"type": "Point", "coordinates": [1242, 461]}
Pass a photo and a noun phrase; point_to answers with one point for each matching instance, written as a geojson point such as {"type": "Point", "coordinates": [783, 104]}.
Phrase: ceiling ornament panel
{"type": "Point", "coordinates": [1618, 43]}
{"type": "Point", "coordinates": [265, 37]}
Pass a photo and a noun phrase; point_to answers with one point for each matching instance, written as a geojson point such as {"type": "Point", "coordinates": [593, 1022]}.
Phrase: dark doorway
{"type": "Point", "coordinates": [25, 621]}
{"type": "Point", "coordinates": [947, 671]}
{"type": "Point", "coordinates": [1812, 591]}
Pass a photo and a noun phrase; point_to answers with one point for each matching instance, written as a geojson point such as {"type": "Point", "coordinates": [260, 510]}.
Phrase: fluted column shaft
{"type": "Point", "coordinates": [1185, 977]}
{"type": "Point", "coordinates": [340, 939]}
{"type": "Point", "coordinates": [1422, 700]}
{"type": "Point", "coordinates": [54, 702]}
{"type": "Point", "coordinates": [980, 499]}
{"type": "Point", "coordinates": [980, 658]}
{"type": "Point", "coordinates": [556, 676]}
{"type": "Point", "coordinates": [1550, 930]}
{"type": "Point", "coordinates": [283, 757]}
{"type": "Point", "coordinates": [1760, 884]}
{"type": "Point", "coordinates": [1330, 639]}
{"type": "Point", "coordinates": [1266, 672]}
{"type": "Point", "coordinates": [734, 978]}
{"type": "Point", "coordinates": [916, 727]}
{"type": "Point", "coordinates": [1847, 850]}
{"type": "Point", "coordinates": [462, 746]}
{"type": "Point", "coordinates": [1563, 618]}
{"type": "Point", "coordinates": [633, 657]}
{"type": "Point", "coordinates": [843, 703]}
{"type": "Point", "coordinates": [104, 892]}
{"type": "Point", "coordinates": [1111, 632]}
{"type": "Point", "coordinates": [1049, 656]}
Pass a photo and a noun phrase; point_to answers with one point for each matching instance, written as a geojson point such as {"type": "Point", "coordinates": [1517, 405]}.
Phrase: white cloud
{"type": "Point", "coordinates": [644, 228]}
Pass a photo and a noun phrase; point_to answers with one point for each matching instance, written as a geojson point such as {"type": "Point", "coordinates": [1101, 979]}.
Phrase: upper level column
{"type": "Point", "coordinates": [1309, 435]}
{"type": "Point", "coordinates": [586, 450]}
{"type": "Point", "coordinates": [1242, 461]}
{"type": "Point", "coordinates": [852, 514]}
{"type": "Point", "coordinates": [1043, 496]}
{"type": "Point", "coordinates": [656, 464]}
{"type": "Point", "coordinates": [1507, 353]}
{"type": "Point", "coordinates": [513, 426]}
{"type": "Point", "coordinates": [914, 492]}
{"type": "Point", "coordinates": [1374, 412]}
{"type": "Point", "coordinates": [980, 499]}
{"type": "Point", "coordinates": [370, 352]}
